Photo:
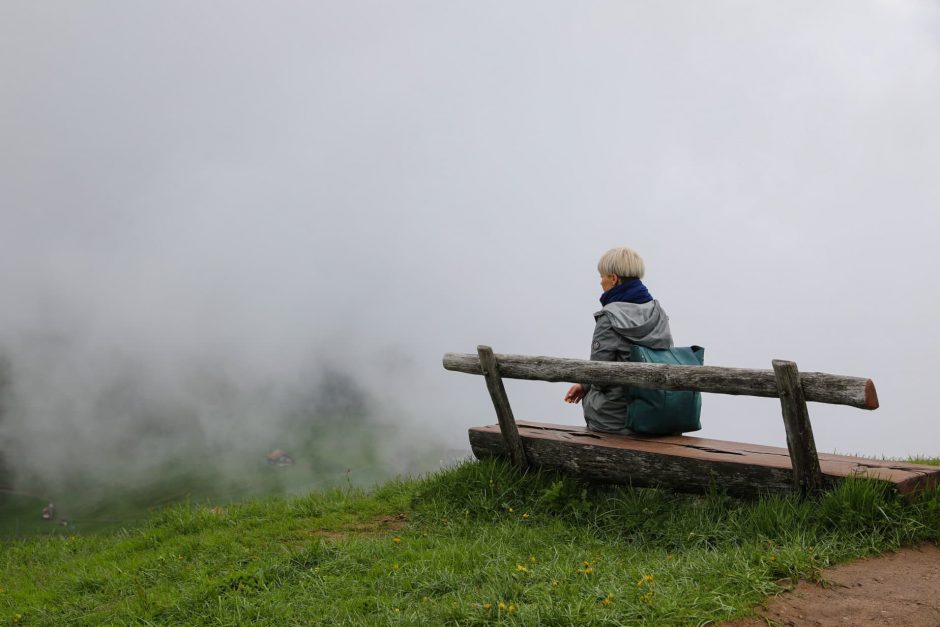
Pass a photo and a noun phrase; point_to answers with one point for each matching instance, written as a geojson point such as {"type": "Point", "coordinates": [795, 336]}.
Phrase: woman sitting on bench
{"type": "Point", "coordinates": [630, 316]}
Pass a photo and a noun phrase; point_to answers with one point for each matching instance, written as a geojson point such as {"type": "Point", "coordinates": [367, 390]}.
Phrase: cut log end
{"type": "Point", "coordinates": [871, 396]}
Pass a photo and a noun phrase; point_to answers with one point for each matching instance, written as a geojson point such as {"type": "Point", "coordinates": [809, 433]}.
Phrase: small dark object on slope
{"type": "Point", "coordinates": [48, 512]}
{"type": "Point", "coordinates": [277, 457]}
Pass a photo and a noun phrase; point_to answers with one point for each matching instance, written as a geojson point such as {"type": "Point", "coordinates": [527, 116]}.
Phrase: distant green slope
{"type": "Point", "coordinates": [125, 497]}
{"type": "Point", "coordinates": [477, 544]}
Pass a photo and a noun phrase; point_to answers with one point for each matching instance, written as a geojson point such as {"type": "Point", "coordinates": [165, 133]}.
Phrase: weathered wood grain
{"type": "Point", "coordinates": [807, 477]}
{"type": "Point", "coordinates": [507, 424]}
{"type": "Point", "coordinates": [684, 463]}
{"type": "Point", "coordinates": [817, 386]}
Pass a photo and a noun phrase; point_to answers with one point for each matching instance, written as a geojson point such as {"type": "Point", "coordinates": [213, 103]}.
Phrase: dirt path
{"type": "Point", "coordinates": [900, 589]}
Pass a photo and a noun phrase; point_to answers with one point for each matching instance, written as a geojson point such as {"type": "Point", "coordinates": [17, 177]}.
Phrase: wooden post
{"type": "Point", "coordinates": [807, 476]}
{"type": "Point", "coordinates": [507, 424]}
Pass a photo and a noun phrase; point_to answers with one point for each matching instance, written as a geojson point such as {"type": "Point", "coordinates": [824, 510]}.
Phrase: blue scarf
{"type": "Point", "coordinates": [632, 291]}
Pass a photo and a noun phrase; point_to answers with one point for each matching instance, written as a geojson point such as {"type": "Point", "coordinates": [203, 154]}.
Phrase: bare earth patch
{"type": "Point", "coordinates": [901, 588]}
{"type": "Point", "coordinates": [373, 527]}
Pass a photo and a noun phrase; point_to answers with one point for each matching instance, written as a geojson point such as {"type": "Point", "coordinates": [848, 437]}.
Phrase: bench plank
{"type": "Point", "coordinates": [685, 463]}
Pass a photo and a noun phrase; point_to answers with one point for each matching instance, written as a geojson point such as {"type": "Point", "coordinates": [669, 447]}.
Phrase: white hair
{"type": "Point", "coordinates": [624, 262]}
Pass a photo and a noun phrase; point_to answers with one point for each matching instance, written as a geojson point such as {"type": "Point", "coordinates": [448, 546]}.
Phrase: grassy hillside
{"type": "Point", "coordinates": [475, 545]}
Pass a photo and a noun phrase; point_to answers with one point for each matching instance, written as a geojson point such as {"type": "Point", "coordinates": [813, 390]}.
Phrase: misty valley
{"type": "Point", "coordinates": [136, 452]}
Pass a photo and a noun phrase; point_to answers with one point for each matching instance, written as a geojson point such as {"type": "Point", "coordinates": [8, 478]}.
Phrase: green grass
{"type": "Point", "coordinates": [483, 544]}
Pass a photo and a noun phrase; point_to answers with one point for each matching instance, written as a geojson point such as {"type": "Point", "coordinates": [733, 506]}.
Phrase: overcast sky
{"type": "Point", "coordinates": [254, 187]}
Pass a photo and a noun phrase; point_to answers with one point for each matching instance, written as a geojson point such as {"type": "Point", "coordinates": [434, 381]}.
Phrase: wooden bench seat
{"type": "Point", "coordinates": [684, 463]}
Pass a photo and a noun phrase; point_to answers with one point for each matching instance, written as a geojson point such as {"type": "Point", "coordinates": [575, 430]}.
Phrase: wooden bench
{"type": "Point", "coordinates": [683, 463]}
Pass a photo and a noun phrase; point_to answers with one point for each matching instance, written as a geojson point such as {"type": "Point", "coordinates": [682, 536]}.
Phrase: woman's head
{"type": "Point", "coordinates": [618, 265]}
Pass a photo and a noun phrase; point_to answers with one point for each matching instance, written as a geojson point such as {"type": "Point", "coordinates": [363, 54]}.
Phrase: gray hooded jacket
{"type": "Point", "coordinates": [618, 326]}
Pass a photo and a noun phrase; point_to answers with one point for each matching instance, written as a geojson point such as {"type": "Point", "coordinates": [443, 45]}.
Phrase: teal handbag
{"type": "Point", "coordinates": [663, 412]}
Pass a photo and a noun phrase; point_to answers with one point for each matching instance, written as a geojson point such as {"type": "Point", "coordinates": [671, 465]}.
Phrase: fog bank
{"type": "Point", "coordinates": [211, 214]}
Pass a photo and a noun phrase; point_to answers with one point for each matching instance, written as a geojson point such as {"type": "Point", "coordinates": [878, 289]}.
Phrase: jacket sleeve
{"type": "Point", "coordinates": [603, 345]}
{"type": "Point", "coordinates": [604, 342]}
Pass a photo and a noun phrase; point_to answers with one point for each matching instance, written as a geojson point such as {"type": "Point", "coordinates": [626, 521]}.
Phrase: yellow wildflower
{"type": "Point", "coordinates": [609, 599]}
{"type": "Point", "coordinates": [520, 568]}
{"type": "Point", "coordinates": [396, 540]}
{"type": "Point", "coordinates": [488, 606]}
{"type": "Point", "coordinates": [512, 608]}
{"type": "Point", "coordinates": [501, 605]}
{"type": "Point", "coordinates": [525, 516]}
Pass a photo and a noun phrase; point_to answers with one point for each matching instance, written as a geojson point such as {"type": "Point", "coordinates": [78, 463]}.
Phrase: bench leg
{"type": "Point", "coordinates": [807, 476]}
{"type": "Point", "coordinates": [507, 423]}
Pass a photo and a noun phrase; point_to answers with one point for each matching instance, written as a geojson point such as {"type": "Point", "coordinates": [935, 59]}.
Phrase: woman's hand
{"type": "Point", "coordinates": [575, 393]}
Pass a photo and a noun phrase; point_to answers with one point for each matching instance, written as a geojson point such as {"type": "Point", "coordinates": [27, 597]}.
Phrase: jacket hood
{"type": "Point", "coordinates": [644, 324]}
